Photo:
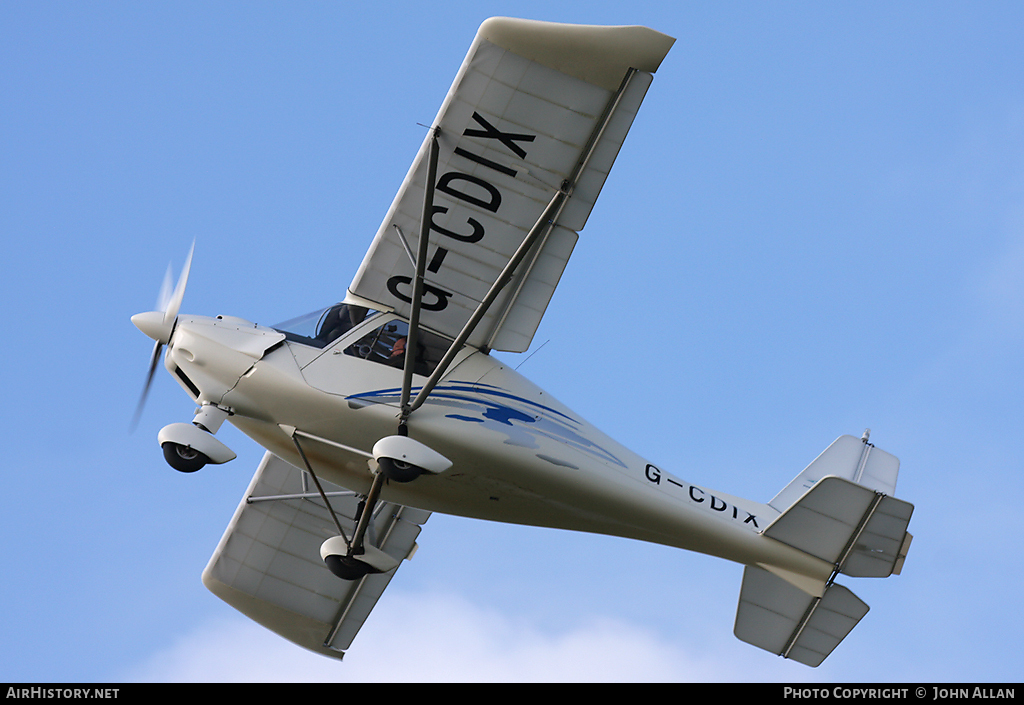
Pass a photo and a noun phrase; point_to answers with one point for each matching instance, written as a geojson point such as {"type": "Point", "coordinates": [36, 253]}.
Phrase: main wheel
{"type": "Point", "coordinates": [399, 470]}
{"type": "Point", "coordinates": [182, 458]}
{"type": "Point", "coordinates": [347, 568]}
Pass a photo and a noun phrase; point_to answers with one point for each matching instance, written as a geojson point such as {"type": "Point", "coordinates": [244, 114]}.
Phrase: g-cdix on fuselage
{"type": "Point", "coordinates": [381, 409]}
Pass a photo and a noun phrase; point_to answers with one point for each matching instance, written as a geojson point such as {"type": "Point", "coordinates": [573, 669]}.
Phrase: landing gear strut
{"type": "Point", "coordinates": [350, 559]}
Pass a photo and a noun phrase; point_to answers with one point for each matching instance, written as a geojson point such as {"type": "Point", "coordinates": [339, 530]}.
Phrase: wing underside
{"type": "Point", "coordinates": [530, 102]}
{"type": "Point", "coordinates": [268, 565]}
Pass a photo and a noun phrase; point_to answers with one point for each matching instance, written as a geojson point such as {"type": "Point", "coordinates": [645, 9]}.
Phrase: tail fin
{"type": "Point", "coordinates": [850, 458]}
{"type": "Point", "coordinates": [839, 510]}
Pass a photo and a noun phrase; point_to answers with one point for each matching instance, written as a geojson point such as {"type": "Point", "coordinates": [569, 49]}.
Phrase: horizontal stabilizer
{"type": "Point", "coordinates": [854, 528]}
{"type": "Point", "coordinates": [268, 563]}
{"type": "Point", "coordinates": [779, 617]}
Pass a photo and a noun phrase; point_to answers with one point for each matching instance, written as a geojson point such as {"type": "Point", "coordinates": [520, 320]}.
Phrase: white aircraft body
{"type": "Point", "coordinates": [387, 406]}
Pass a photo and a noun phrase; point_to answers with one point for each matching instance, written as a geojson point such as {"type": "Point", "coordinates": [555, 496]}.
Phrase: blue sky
{"type": "Point", "coordinates": [815, 226]}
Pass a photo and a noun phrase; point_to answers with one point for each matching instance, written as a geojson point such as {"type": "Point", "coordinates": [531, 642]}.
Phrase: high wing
{"type": "Point", "coordinates": [268, 565]}
{"type": "Point", "coordinates": [536, 109]}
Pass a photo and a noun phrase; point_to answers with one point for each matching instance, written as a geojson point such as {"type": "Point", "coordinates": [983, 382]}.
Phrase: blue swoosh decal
{"type": "Point", "coordinates": [490, 405]}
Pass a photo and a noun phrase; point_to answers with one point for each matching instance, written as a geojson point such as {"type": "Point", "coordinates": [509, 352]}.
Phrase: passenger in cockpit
{"type": "Point", "coordinates": [339, 320]}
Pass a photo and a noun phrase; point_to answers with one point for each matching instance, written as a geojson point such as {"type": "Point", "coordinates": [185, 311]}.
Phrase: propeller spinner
{"type": "Point", "coordinates": [159, 324]}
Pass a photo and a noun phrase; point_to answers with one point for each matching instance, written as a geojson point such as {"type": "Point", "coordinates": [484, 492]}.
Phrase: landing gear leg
{"type": "Point", "coordinates": [351, 559]}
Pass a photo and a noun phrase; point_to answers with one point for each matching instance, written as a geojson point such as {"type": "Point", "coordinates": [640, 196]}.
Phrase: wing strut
{"type": "Point", "coordinates": [320, 489]}
{"type": "Point", "coordinates": [418, 286]}
{"type": "Point", "coordinates": [540, 230]}
{"type": "Point", "coordinates": [542, 225]}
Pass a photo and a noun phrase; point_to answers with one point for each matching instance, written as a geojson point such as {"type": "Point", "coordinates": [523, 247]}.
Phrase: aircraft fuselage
{"type": "Point", "coordinates": [519, 455]}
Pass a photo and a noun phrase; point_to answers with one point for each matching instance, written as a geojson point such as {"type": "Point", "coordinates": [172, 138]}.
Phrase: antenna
{"type": "Point", "coordinates": [532, 354]}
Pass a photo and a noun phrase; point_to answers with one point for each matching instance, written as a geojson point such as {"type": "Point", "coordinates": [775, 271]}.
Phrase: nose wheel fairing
{"type": "Point", "coordinates": [188, 447]}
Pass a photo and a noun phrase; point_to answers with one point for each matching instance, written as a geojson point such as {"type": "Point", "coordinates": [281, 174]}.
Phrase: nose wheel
{"type": "Point", "coordinates": [182, 458]}
{"type": "Point", "coordinates": [189, 446]}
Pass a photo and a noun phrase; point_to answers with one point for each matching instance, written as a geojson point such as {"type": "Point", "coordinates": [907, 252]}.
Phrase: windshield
{"type": "Point", "coordinates": [323, 326]}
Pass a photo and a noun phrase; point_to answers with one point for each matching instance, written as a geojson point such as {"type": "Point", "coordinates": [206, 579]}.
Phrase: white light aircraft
{"type": "Point", "coordinates": [387, 406]}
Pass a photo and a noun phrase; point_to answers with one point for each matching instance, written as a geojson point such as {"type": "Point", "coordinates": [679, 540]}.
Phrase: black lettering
{"type": "Point", "coordinates": [439, 304]}
{"type": "Point", "coordinates": [715, 507]}
{"type": "Point", "coordinates": [751, 518]}
{"type": "Point", "coordinates": [490, 132]}
{"type": "Point", "coordinates": [693, 497]}
{"type": "Point", "coordinates": [475, 236]}
{"type": "Point", "coordinates": [486, 162]}
{"type": "Point", "coordinates": [437, 260]}
{"type": "Point", "coordinates": [444, 184]}
{"type": "Point", "coordinates": [653, 474]}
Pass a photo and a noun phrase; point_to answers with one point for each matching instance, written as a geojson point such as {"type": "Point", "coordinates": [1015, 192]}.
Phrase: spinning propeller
{"type": "Point", "coordinates": [159, 324]}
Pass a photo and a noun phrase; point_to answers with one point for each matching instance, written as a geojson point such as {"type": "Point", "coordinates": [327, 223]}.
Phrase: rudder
{"type": "Point", "coordinates": [850, 458]}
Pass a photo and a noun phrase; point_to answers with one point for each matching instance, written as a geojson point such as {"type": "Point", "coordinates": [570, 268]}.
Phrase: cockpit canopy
{"type": "Point", "coordinates": [324, 326]}
{"type": "Point", "coordinates": [384, 343]}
